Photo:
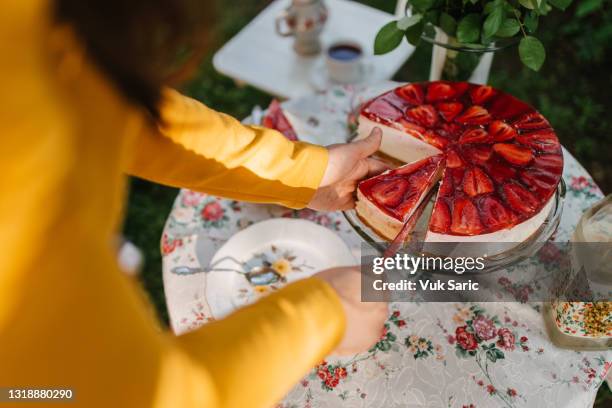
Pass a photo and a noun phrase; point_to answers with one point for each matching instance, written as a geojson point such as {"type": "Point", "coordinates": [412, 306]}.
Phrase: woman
{"type": "Point", "coordinates": [83, 104]}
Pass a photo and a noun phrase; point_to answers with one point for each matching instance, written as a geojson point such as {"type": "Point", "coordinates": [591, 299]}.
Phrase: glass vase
{"type": "Point", "coordinates": [453, 61]}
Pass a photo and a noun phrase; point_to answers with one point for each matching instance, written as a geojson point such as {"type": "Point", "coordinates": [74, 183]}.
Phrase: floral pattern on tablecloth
{"type": "Point", "coordinates": [428, 355]}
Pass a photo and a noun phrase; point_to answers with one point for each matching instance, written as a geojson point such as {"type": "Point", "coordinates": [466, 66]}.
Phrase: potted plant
{"type": "Point", "coordinates": [465, 33]}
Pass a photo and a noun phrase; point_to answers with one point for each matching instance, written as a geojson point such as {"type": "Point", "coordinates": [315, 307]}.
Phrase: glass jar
{"type": "Point", "coordinates": [587, 325]}
{"type": "Point", "coordinates": [452, 60]}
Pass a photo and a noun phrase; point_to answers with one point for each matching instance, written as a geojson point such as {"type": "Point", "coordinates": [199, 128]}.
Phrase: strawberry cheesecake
{"type": "Point", "coordinates": [498, 161]}
{"type": "Point", "coordinates": [387, 201]}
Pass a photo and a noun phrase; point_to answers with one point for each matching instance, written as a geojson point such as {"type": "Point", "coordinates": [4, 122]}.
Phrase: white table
{"type": "Point", "coordinates": [260, 57]}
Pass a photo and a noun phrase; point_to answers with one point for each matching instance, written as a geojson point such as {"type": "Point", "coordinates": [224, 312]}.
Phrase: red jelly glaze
{"type": "Point", "coordinates": [397, 192]}
{"type": "Point", "coordinates": [509, 150]}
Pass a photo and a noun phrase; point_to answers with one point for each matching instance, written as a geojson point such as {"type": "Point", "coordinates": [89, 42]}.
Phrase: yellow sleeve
{"type": "Point", "coordinates": [259, 352]}
{"type": "Point", "coordinates": [68, 317]}
{"type": "Point", "coordinates": [198, 148]}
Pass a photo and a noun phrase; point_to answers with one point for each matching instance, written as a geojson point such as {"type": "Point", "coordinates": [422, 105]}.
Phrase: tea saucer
{"type": "Point", "coordinates": [321, 81]}
{"type": "Point", "coordinates": [294, 248]}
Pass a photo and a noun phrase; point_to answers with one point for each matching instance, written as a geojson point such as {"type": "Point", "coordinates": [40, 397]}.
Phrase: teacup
{"type": "Point", "coordinates": [344, 60]}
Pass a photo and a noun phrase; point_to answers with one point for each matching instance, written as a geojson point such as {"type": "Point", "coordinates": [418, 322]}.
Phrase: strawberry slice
{"type": "Point", "coordinates": [543, 140]}
{"type": "Point", "coordinates": [493, 213]}
{"type": "Point", "coordinates": [553, 162]}
{"type": "Point", "coordinates": [416, 166]}
{"type": "Point", "coordinates": [453, 160]}
{"type": "Point", "coordinates": [501, 131]}
{"type": "Point", "coordinates": [459, 88]}
{"type": "Point", "coordinates": [539, 180]}
{"type": "Point", "coordinates": [514, 154]}
{"type": "Point", "coordinates": [476, 135]}
{"type": "Point", "coordinates": [474, 115]}
{"type": "Point", "coordinates": [411, 128]}
{"type": "Point", "coordinates": [412, 93]}
{"type": "Point", "coordinates": [390, 192]}
{"type": "Point", "coordinates": [501, 172]}
{"type": "Point", "coordinates": [447, 185]}
{"type": "Point", "coordinates": [424, 115]}
{"type": "Point", "coordinates": [478, 154]}
{"type": "Point", "coordinates": [382, 109]}
{"type": "Point", "coordinates": [439, 91]}
{"type": "Point", "coordinates": [532, 120]}
{"type": "Point", "coordinates": [448, 110]}
{"type": "Point", "coordinates": [449, 130]}
{"type": "Point", "coordinates": [476, 182]}
{"type": "Point", "coordinates": [507, 107]}
{"type": "Point", "coordinates": [481, 94]}
{"type": "Point", "coordinates": [440, 218]}
{"type": "Point", "coordinates": [435, 139]}
{"type": "Point", "coordinates": [465, 220]}
{"type": "Point", "coordinates": [407, 204]}
{"type": "Point", "coordinates": [520, 199]}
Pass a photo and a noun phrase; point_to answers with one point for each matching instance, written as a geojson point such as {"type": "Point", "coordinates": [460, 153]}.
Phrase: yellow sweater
{"type": "Point", "coordinates": [68, 317]}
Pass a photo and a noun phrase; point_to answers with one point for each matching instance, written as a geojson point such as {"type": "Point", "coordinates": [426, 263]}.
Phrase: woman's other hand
{"type": "Point", "coordinates": [348, 164]}
{"type": "Point", "coordinates": [364, 321]}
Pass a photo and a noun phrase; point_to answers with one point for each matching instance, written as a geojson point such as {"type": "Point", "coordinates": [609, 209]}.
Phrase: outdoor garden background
{"type": "Point", "coordinates": [573, 90]}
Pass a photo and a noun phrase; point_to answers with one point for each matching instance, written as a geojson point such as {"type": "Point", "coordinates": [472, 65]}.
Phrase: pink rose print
{"type": "Point", "coordinates": [169, 245]}
{"type": "Point", "coordinates": [465, 340]}
{"type": "Point", "coordinates": [579, 183]}
{"type": "Point", "coordinates": [484, 328]}
{"type": "Point", "coordinates": [330, 375]}
{"type": "Point", "coordinates": [191, 198]}
{"type": "Point", "coordinates": [506, 339]}
{"type": "Point", "coordinates": [212, 211]}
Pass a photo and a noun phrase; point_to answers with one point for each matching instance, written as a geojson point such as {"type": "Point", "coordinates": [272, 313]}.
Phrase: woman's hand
{"type": "Point", "coordinates": [348, 164]}
{"type": "Point", "coordinates": [364, 321]}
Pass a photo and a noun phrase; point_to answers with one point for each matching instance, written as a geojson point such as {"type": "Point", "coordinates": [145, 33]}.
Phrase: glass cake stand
{"type": "Point", "coordinates": [502, 260]}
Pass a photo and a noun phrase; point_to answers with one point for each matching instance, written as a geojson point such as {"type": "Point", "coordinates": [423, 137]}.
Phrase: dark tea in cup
{"type": "Point", "coordinates": [344, 52]}
{"type": "Point", "coordinates": [344, 61]}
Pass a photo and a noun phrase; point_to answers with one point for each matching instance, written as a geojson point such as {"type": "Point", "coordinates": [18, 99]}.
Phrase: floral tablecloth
{"type": "Point", "coordinates": [430, 355]}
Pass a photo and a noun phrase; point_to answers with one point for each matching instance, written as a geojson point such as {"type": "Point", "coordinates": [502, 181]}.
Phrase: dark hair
{"type": "Point", "coordinates": [141, 45]}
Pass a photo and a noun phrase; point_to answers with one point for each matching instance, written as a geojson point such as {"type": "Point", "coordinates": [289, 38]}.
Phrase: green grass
{"type": "Point", "coordinates": [571, 90]}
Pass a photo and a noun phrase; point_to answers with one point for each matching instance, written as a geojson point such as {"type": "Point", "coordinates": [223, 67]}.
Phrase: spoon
{"type": "Point", "coordinates": [258, 276]}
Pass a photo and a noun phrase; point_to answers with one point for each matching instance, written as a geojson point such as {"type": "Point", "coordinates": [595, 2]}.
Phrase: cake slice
{"type": "Point", "coordinates": [387, 201]}
{"type": "Point", "coordinates": [276, 119]}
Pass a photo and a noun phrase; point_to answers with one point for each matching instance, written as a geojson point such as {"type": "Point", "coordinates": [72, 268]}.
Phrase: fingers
{"type": "Point", "coordinates": [376, 167]}
{"type": "Point", "coordinates": [368, 146]}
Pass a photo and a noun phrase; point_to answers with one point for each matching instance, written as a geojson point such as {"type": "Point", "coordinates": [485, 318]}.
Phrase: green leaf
{"type": "Point", "coordinates": [408, 21]}
{"type": "Point", "coordinates": [532, 53]}
{"type": "Point", "coordinates": [422, 5]}
{"type": "Point", "coordinates": [491, 356]}
{"type": "Point", "coordinates": [432, 16]}
{"type": "Point", "coordinates": [508, 28]}
{"type": "Point", "coordinates": [542, 7]}
{"type": "Point", "coordinates": [468, 29]}
{"type": "Point", "coordinates": [493, 22]}
{"type": "Point", "coordinates": [448, 24]}
{"type": "Point", "coordinates": [530, 4]}
{"type": "Point", "coordinates": [488, 8]}
{"type": "Point", "coordinates": [388, 38]}
{"type": "Point", "coordinates": [413, 34]}
{"type": "Point", "coordinates": [560, 4]}
{"type": "Point", "coordinates": [531, 22]}
{"type": "Point", "coordinates": [587, 7]}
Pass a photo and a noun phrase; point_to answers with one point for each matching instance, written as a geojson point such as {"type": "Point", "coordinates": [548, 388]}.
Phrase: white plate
{"type": "Point", "coordinates": [305, 247]}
